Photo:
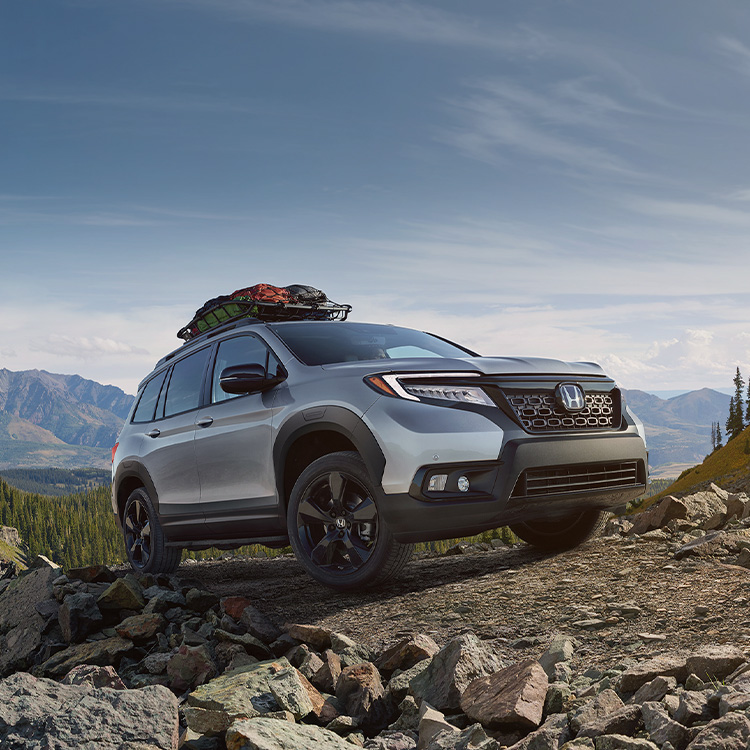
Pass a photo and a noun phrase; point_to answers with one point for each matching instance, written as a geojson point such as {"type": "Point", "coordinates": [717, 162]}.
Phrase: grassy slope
{"type": "Point", "coordinates": [728, 467]}
{"type": "Point", "coordinates": [11, 554]}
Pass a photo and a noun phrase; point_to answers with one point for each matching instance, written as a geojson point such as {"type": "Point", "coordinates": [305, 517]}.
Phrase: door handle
{"type": "Point", "coordinates": [154, 433]}
{"type": "Point", "coordinates": [205, 421]}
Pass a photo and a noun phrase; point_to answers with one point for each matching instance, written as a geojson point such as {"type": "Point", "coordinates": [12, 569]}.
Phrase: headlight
{"type": "Point", "coordinates": [399, 386]}
{"type": "Point", "coordinates": [463, 393]}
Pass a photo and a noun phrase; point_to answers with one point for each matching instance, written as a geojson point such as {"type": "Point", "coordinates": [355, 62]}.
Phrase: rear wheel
{"type": "Point", "coordinates": [145, 542]}
{"type": "Point", "coordinates": [561, 533]}
{"type": "Point", "coordinates": [335, 527]}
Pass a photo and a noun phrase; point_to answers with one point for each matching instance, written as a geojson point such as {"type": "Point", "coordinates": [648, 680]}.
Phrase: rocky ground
{"type": "Point", "coordinates": [637, 640]}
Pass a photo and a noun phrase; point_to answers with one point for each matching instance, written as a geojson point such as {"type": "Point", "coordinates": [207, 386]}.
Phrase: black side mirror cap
{"type": "Point", "coordinates": [250, 378]}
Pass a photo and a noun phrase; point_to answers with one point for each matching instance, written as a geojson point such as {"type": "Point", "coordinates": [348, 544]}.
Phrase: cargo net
{"type": "Point", "coordinates": [539, 412]}
{"type": "Point", "coordinates": [267, 303]}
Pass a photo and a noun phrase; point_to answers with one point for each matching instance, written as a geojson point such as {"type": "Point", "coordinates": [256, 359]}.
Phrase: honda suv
{"type": "Point", "coordinates": [352, 441]}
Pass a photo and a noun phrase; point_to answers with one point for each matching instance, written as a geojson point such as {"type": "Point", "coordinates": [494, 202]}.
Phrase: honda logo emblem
{"type": "Point", "coordinates": [571, 397]}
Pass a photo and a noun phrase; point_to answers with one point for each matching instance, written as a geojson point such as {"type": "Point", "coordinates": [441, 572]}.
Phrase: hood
{"type": "Point", "coordinates": [484, 365]}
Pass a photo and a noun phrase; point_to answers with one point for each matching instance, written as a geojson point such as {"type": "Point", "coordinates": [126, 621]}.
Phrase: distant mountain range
{"type": "Point", "coordinates": [66, 421]}
{"type": "Point", "coordinates": [58, 420]}
{"type": "Point", "coordinates": [678, 430]}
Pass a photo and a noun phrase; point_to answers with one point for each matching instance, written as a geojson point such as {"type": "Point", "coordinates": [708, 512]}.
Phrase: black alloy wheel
{"type": "Point", "coordinates": [337, 523]}
{"type": "Point", "coordinates": [145, 542]}
{"type": "Point", "coordinates": [335, 528]}
{"type": "Point", "coordinates": [137, 526]}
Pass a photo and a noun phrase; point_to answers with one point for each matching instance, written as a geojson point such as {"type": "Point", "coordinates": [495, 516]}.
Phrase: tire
{"type": "Point", "coordinates": [561, 533]}
{"type": "Point", "coordinates": [335, 528]}
{"type": "Point", "coordinates": [145, 542]}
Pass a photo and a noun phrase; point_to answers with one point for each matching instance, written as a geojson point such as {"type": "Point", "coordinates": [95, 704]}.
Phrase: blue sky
{"type": "Point", "coordinates": [567, 179]}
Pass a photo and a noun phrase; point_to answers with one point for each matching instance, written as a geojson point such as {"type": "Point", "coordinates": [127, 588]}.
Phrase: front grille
{"type": "Point", "coordinates": [538, 411]}
{"type": "Point", "coordinates": [585, 478]}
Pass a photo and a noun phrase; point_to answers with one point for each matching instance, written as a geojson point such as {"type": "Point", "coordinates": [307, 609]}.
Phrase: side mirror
{"type": "Point", "coordinates": [251, 378]}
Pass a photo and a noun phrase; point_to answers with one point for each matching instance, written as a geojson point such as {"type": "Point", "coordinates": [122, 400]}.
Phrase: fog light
{"type": "Point", "coordinates": [437, 482]}
{"type": "Point", "coordinates": [463, 484]}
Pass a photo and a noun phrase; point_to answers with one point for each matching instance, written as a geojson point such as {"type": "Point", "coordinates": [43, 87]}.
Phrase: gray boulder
{"type": "Point", "coordinates": [272, 734]}
{"type": "Point", "coordinates": [462, 660]}
{"type": "Point", "coordinates": [78, 616]}
{"type": "Point", "coordinates": [37, 713]}
{"type": "Point", "coordinates": [21, 625]}
{"type": "Point", "coordinates": [730, 732]}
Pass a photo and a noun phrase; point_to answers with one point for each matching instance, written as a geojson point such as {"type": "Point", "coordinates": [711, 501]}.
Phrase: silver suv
{"type": "Point", "coordinates": [353, 441]}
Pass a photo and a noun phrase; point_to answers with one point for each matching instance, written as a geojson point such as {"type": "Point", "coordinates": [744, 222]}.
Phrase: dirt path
{"type": "Point", "coordinates": [636, 599]}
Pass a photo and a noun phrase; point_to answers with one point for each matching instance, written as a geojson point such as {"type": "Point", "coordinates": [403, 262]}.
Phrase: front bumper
{"type": "Point", "coordinates": [505, 496]}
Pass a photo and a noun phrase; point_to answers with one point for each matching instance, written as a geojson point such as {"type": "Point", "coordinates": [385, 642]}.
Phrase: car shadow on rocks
{"type": "Point", "coordinates": [282, 587]}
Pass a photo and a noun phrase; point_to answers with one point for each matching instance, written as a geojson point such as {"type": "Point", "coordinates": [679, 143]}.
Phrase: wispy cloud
{"type": "Point", "coordinates": [409, 21]}
{"type": "Point", "coordinates": [737, 53]}
{"type": "Point", "coordinates": [82, 347]}
{"type": "Point", "coordinates": [690, 212]}
{"type": "Point", "coordinates": [501, 119]}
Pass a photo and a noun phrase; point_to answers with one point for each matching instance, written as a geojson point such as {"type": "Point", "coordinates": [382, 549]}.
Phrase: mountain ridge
{"type": "Point", "coordinates": [51, 419]}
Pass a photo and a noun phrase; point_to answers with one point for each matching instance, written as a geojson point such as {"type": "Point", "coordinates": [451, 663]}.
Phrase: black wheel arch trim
{"type": "Point", "coordinates": [327, 419]}
{"type": "Point", "coordinates": [132, 470]}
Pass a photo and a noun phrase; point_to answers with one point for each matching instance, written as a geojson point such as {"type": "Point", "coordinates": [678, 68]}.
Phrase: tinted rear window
{"type": "Point", "coordinates": [144, 412]}
{"type": "Point", "coordinates": [184, 389]}
{"type": "Point", "coordinates": [326, 343]}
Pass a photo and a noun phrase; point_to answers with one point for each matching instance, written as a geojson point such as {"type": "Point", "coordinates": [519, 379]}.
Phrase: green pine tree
{"type": "Point", "coordinates": [736, 419]}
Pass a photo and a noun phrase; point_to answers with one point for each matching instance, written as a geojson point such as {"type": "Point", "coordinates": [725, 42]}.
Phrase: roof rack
{"type": "Point", "coordinates": [230, 311]}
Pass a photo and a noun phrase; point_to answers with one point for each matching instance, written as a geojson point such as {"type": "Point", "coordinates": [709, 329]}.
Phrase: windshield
{"type": "Point", "coordinates": [327, 343]}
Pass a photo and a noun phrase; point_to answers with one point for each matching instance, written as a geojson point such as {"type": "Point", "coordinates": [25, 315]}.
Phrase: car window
{"type": "Point", "coordinates": [326, 343]}
{"type": "Point", "coordinates": [184, 390]}
{"type": "Point", "coordinates": [144, 412]}
{"type": "Point", "coordinates": [242, 350]}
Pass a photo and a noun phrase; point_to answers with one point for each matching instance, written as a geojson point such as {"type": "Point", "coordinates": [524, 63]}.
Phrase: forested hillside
{"type": "Point", "coordinates": [73, 531]}
{"type": "Point", "coordinates": [56, 481]}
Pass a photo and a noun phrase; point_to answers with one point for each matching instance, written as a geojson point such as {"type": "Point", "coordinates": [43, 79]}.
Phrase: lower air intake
{"type": "Point", "coordinates": [572, 479]}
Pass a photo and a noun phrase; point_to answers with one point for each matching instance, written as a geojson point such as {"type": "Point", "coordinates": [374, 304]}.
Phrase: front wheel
{"type": "Point", "coordinates": [561, 533]}
{"type": "Point", "coordinates": [145, 542]}
{"type": "Point", "coordinates": [335, 528]}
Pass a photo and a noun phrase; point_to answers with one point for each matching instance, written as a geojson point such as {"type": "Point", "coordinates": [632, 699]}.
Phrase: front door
{"type": "Point", "coordinates": [233, 443]}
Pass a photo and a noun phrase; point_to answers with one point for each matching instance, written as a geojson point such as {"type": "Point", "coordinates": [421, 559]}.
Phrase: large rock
{"type": "Point", "coordinates": [258, 624]}
{"type": "Point", "coordinates": [190, 666]}
{"type": "Point", "coordinates": [78, 616]}
{"type": "Point", "coordinates": [272, 734]}
{"type": "Point", "coordinates": [242, 693]}
{"type": "Point", "coordinates": [124, 593]}
{"type": "Point", "coordinates": [661, 728]}
{"type": "Point", "coordinates": [561, 649]}
{"type": "Point", "coordinates": [140, 628]}
{"type": "Point", "coordinates": [98, 677]}
{"type": "Point", "coordinates": [361, 693]}
{"type": "Point", "coordinates": [406, 653]}
{"type": "Point", "coordinates": [659, 515]}
{"type": "Point", "coordinates": [295, 694]}
{"type": "Point", "coordinates": [730, 732]}
{"type": "Point", "coordinates": [462, 660]}
{"type": "Point", "coordinates": [707, 509]}
{"type": "Point", "coordinates": [21, 625]}
{"type": "Point", "coordinates": [471, 738]}
{"type": "Point", "coordinates": [327, 676]}
{"type": "Point", "coordinates": [317, 637]}
{"type": "Point", "coordinates": [606, 703]}
{"type": "Point", "coordinates": [703, 546]}
{"type": "Point", "coordinates": [553, 734]}
{"type": "Point", "coordinates": [665, 666]}
{"type": "Point", "coordinates": [39, 713]}
{"type": "Point", "coordinates": [514, 695]}
{"type": "Point", "coordinates": [714, 662]}
{"type": "Point", "coordinates": [102, 653]}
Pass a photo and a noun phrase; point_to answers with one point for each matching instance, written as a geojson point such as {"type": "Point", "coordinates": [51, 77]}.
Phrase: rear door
{"type": "Point", "coordinates": [233, 447]}
{"type": "Point", "coordinates": [168, 452]}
